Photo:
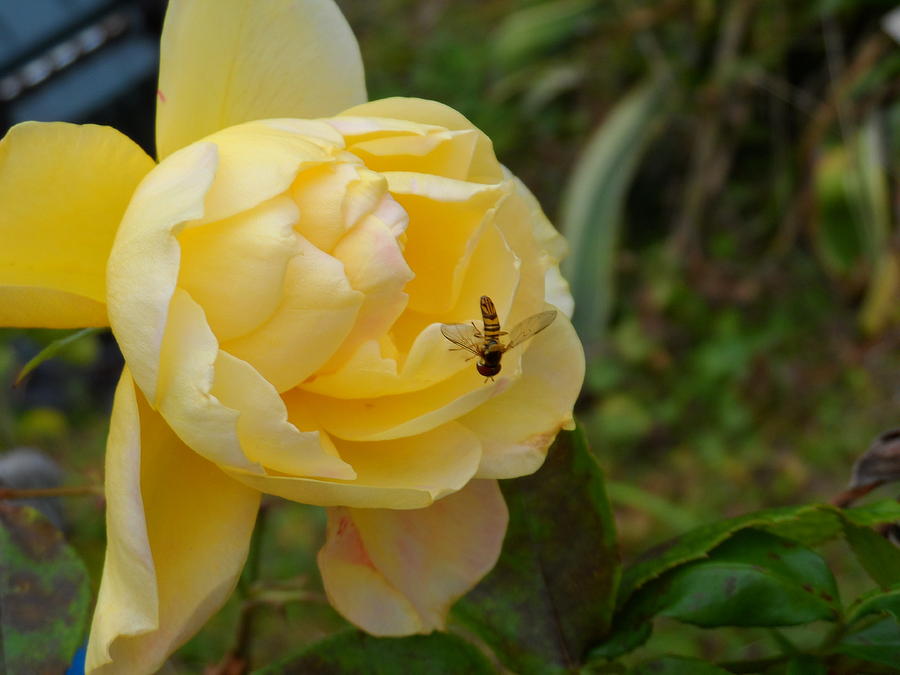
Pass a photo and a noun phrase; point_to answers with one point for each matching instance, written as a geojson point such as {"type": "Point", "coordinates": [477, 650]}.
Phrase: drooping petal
{"type": "Point", "coordinates": [177, 536]}
{"type": "Point", "coordinates": [64, 188]}
{"type": "Point", "coordinates": [518, 426]}
{"type": "Point", "coordinates": [224, 62]}
{"type": "Point", "coordinates": [398, 572]}
{"type": "Point", "coordinates": [408, 473]}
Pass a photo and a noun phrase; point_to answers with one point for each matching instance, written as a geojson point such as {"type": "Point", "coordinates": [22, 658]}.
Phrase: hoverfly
{"type": "Point", "coordinates": [485, 343]}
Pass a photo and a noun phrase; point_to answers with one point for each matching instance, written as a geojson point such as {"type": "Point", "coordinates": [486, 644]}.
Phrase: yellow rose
{"type": "Point", "coordinates": [277, 285]}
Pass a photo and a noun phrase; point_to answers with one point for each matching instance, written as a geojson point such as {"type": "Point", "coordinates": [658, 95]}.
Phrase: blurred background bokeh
{"type": "Point", "coordinates": [726, 172]}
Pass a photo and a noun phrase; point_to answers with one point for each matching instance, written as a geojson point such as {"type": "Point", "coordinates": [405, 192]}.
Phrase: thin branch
{"type": "Point", "coordinates": [36, 493]}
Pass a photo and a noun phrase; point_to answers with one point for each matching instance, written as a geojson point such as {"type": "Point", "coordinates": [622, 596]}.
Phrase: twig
{"type": "Point", "coordinates": [35, 493]}
{"type": "Point", "coordinates": [851, 495]}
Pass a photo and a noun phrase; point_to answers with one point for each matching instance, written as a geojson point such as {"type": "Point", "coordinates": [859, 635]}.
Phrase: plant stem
{"type": "Point", "coordinates": [34, 493]}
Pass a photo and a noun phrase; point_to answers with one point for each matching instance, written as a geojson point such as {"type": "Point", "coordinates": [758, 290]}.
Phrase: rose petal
{"type": "Point", "coordinates": [317, 312]}
{"type": "Point", "coordinates": [407, 473]}
{"type": "Point", "coordinates": [178, 531]}
{"type": "Point", "coordinates": [484, 167]}
{"type": "Point", "coordinates": [185, 399]}
{"type": "Point", "coordinates": [266, 435]}
{"type": "Point", "coordinates": [144, 261]}
{"type": "Point", "coordinates": [518, 426]}
{"type": "Point", "coordinates": [235, 268]}
{"type": "Point", "coordinates": [223, 62]}
{"type": "Point", "coordinates": [398, 572]}
{"type": "Point", "coordinates": [64, 188]}
{"type": "Point", "coordinates": [452, 212]}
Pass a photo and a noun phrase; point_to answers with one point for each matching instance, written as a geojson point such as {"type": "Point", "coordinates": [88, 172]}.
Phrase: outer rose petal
{"type": "Point", "coordinates": [64, 188]}
{"type": "Point", "coordinates": [224, 62]}
{"type": "Point", "coordinates": [398, 572]}
{"type": "Point", "coordinates": [178, 531]}
{"type": "Point", "coordinates": [518, 426]}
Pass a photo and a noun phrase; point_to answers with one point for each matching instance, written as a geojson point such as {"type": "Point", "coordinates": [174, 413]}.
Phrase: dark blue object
{"type": "Point", "coordinates": [77, 667]}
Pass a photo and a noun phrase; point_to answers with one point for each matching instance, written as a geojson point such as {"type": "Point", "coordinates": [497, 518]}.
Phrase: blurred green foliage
{"type": "Point", "coordinates": [745, 240]}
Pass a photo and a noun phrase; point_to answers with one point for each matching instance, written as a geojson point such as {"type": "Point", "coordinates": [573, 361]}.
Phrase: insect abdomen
{"type": "Point", "coordinates": [489, 316]}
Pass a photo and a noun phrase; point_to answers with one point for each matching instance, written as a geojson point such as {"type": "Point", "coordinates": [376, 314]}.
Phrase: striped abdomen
{"type": "Point", "coordinates": [489, 316]}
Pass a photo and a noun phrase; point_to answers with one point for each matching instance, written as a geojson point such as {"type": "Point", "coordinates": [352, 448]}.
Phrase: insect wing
{"type": "Point", "coordinates": [462, 335]}
{"type": "Point", "coordinates": [529, 327]}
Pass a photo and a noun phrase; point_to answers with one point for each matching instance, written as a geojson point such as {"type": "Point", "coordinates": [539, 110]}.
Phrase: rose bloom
{"type": "Point", "coordinates": [277, 283]}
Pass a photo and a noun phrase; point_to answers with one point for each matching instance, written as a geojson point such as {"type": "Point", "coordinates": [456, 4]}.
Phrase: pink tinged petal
{"type": "Point", "coordinates": [185, 398]}
{"type": "Point", "coordinates": [235, 268]}
{"type": "Point", "coordinates": [224, 62]}
{"type": "Point", "coordinates": [178, 530]}
{"type": "Point", "coordinates": [484, 167]}
{"type": "Point", "coordinates": [64, 188]}
{"type": "Point", "coordinates": [356, 588]}
{"type": "Point", "coordinates": [399, 572]}
{"type": "Point", "coordinates": [317, 312]}
{"type": "Point", "coordinates": [266, 435]}
{"type": "Point", "coordinates": [144, 262]}
{"type": "Point", "coordinates": [518, 426]}
{"type": "Point", "coordinates": [407, 473]}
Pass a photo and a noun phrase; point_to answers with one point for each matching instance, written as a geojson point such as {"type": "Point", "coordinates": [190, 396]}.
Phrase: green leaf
{"type": "Point", "coordinates": [876, 602]}
{"type": "Point", "coordinates": [52, 350]}
{"type": "Point", "coordinates": [879, 557]}
{"type": "Point", "coordinates": [808, 525]}
{"type": "Point", "coordinates": [552, 592]}
{"type": "Point", "coordinates": [879, 643]}
{"type": "Point", "coordinates": [677, 665]}
{"type": "Point", "coordinates": [44, 594]}
{"type": "Point", "coordinates": [816, 519]}
{"type": "Point", "coordinates": [753, 579]}
{"type": "Point", "coordinates": [593, 201]}
{"type": "Point", "coordinates": [355, 653]}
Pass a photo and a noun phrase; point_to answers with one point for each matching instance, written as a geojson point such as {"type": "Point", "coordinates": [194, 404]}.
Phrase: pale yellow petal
{"type": "Point", "coordinates": [260, 160]}
{"type": "Point", "coordinates": [144, 262]}
{"type": "Point", "coordinates": [390, 417]}
{"type": "Point", "coordinates": [317, 311]}
{"type": "Point", "coordinates": [483, 168]}
{"type": "Point", "coordinates": [177, 531]}
{"type": "Point", "coordinates": [334, 197]}
{"type": "Point", "coordinates": [266, 435]}
{"type": "Point", "coordinates": [518, 426]}
{"type": "Point", "coordinates": [451, 212]}
{"type": "Point", "coordinates": [398, 572]}
{"type": "Point", "coordinates": [375, 266]}
{"type": "Point", "coordinates": [64, 188]}
{"type": "Point", "coordinates": [184, 396]}
{"type": "Point", "coordinates": [224, 62]}
{"type": "Point", "coordinates": [406, 473]}
{"type": "Point", "coordinates": [235, 268]}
